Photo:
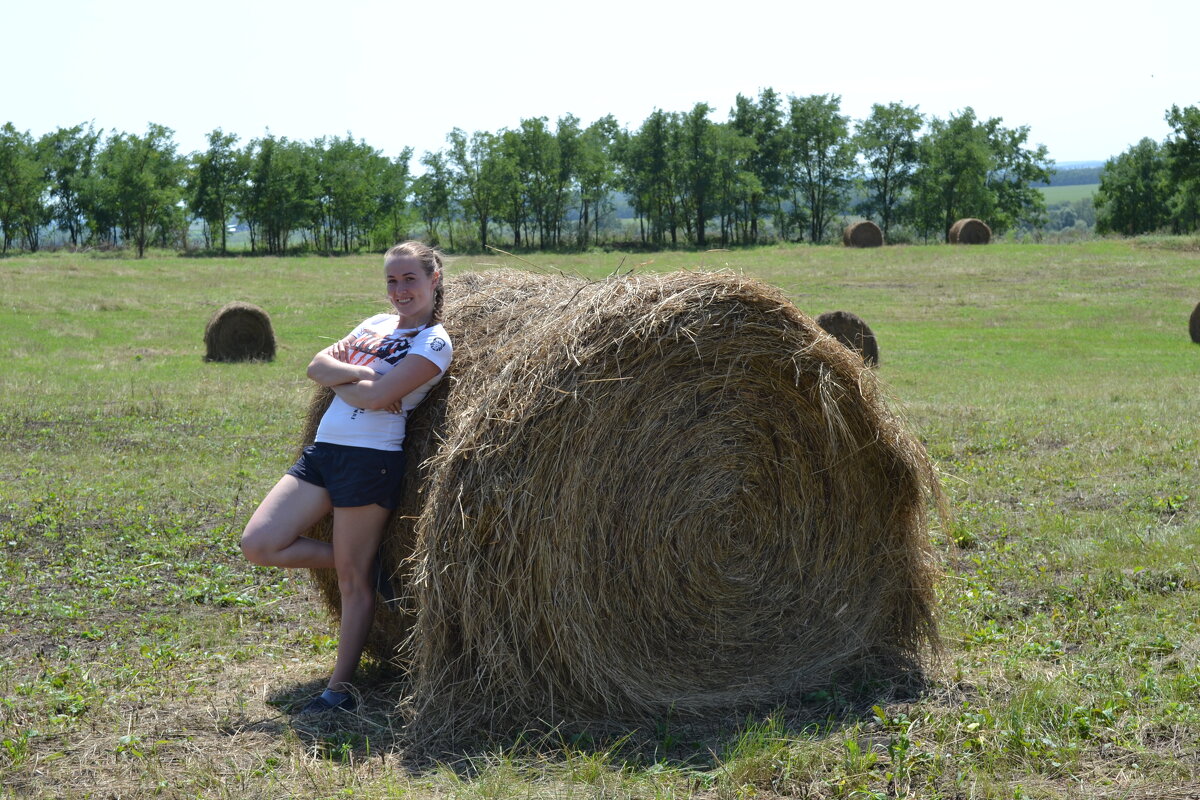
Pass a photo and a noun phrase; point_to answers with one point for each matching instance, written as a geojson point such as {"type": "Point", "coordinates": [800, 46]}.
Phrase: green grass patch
{"type": "Point", "coordinates": [140, 655]}
{"type": "Point", "coordinates": [1056, 195]}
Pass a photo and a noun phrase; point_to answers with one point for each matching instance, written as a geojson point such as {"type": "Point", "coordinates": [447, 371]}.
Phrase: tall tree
{"type": "Point", "coordinates": [1012, 176]}
{"type": "Point", "coordinates": [821, 159]}
{"type": "Point", "coordinates": [1182, 149]}
{"type": "Point", "coordinates": [567, 140]}
{"type": "Point", "coordinates": [887, 141]}
{"type": "Point", "coordinates": [735, 185]}
{"type": "Point", "coordinates": [69, 155]}
{"type": "Point", "coordinates": [280, 192]}
{"type": "Point", "coordinates": [433, 192]}
{"type": "Point", "coordinates": [215, 178]}
{"type": "Point", "coordinates": [952, 175]}
{"type": "Point", "coordinates": [645, 158]}
{"type": "Point", "coordinates": [395, 189]}
{"type": "Point", "coordinates": [23, 184]}
{"type": "Point", "coordinates": [1134, 188]}
{"type": "Point", "coordinates": [597, 173]}
{"type": "Point", "coordinates": [763, 123]}
{"type": "Point", "coordinates": [146, 178]}
{"type": "Point", "coordinates": [697, 153]}
{"type": "Point", "coordinates": [477, 169]}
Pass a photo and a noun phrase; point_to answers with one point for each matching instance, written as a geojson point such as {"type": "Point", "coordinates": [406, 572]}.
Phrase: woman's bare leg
{"type": "Point", "coordinates": [357, 532]}
{"type": "Point", "coordinates": [273, 535]}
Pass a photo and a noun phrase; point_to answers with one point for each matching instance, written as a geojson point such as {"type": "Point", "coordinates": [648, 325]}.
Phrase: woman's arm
{"type": "Point", "coordinates": [329, 367]}
{"type": "Point", "coordinates": [378, 392]}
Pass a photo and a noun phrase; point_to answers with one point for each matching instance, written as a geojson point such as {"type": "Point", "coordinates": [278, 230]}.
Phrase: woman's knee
{"type": "Point", "coordinates": [355, 584]}
{"type": "Point", "coordinates": [257, 546]}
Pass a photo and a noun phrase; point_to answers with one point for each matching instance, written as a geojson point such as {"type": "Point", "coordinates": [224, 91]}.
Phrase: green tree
{"type": "Point", "coordinates": [477, 165]}
{"type": "Point", "coordinates": [1182, 150]}
{"type": "Point", "coordinates": [145, 176]}
{"type": "Point", "coordinates": [348, 178]}
{"type": "Point", "coordinates": [887, 141]}
{"type": "Point", "coordinates": [513, 181]}
{"type": "Point", "coordinates": [433, 192]}
{"type": "Point", "coordinates": [820, 159]}
{"type": "Point", "coordinates": [69, 156]}
{"type": "Point", "coordinates": [646, 162]}
{"type": "Point", "coordinates": [735, 185]}
{"type": "Point", "coordinates": [23, 185]}
{"type": "Point", "coordinates": [597, 174]}
{"type": "Point", "coordinates": [567, 140]}
{"type": "Point", "coordinates": [395, 189]}
{"type": "Point", "coordinates": [214, 181]}
{"type": "Point", "coordinates": [538, 160]}
{"type": "Point", "coordinates": [951, 181]}
{"type": "Point", "coordinates": [697, 155]}
{"type": "Point", "coordinates": [762, 123]}
{"type": "Point", "coordinates": [279, 195]}
{"type": "Point", "coordinates": [1013, 173]}
{"type": "Point", "coordinates": [1133, 193]}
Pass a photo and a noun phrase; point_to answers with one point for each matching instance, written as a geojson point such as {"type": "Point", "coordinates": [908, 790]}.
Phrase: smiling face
{"type": "Point", "coordinates": [410, 289]}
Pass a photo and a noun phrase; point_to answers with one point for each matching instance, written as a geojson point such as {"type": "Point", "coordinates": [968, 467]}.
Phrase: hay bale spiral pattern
{"type": "Point", "coordinates": [862, 234]}
{"type": "Point", "coordinates": [849, 329]}
{"type": "Point", "coordinates": [649, 495]}
{"type": "Point", "coordinates": [970, 231]}
{"type": "Point", "coordinates": [239, 332]}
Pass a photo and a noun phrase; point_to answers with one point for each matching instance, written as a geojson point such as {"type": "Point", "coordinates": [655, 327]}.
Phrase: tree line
{"type": "Point", "coordinates": [1154, 186]}
{"type": "Point", "coordinates": [777, 168]}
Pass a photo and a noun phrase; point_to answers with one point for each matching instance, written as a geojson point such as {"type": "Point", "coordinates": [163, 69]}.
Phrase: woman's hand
{"type": "Point", "coordinates": [332, 367]}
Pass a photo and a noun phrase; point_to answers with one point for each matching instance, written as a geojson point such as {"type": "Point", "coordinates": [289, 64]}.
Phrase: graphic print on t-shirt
{"type": "Point", "coordinates": [371, 346]}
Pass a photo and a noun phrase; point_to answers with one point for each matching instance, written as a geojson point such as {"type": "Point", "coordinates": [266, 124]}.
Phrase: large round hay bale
{"type": "Point", "coordinates": [970, 231]}
{"type": "Point", "coordinates": [862, 234]}
{"type": "Point", "coordinates": [1194, 324]}
{"type": "Point", "coordinates": [650, 495]}
{"type": "Point", "coordinates": [850, 330]}
{"type": "Point", "coordinates": [239, 332]}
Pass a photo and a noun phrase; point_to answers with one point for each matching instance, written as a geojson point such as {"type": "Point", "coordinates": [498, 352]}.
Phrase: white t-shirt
{"type": "Point", "coordinates": [381, 346]}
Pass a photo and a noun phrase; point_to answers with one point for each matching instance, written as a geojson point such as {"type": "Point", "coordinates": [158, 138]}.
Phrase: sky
{"type": "Point", "coordinates": [1087, 79]}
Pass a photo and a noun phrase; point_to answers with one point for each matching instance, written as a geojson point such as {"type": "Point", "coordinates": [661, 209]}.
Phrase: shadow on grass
{"type": "Point", "coordinates": [379, 727]}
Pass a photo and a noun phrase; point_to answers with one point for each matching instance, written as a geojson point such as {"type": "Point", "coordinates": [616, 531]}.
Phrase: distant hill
{"type": "Point", "coordinates": [1075, 173]}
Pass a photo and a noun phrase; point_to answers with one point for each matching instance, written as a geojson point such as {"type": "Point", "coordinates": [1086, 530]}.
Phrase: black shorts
{"type": "Point", "coordinates": [353, 476]}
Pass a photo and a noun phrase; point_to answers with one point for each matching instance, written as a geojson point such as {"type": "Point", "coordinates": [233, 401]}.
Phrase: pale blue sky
{"type": "Point", "coordinates": [1089, 79]}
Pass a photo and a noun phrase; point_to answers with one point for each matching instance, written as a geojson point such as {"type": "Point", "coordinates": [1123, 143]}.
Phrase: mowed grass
{"type": "Point", "coordinates": [140, 656]}
{"type": "Point", "coordinates": [1068, 194]}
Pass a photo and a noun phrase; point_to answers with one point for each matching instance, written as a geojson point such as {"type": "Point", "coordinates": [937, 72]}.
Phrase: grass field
{"type": "Point", "coordinates": [140, 656]}
{"type": "Point", "coordinates": [1068, 194]}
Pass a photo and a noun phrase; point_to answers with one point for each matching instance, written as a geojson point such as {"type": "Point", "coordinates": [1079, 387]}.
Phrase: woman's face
{"type": "Point", "coordinates": [410, 289]}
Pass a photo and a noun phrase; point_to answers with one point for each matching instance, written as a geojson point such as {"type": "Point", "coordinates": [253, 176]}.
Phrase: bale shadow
{"type": "Point", "coordinates": [671, 742]}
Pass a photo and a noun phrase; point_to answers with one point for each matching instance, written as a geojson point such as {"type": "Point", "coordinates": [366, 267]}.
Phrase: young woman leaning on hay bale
{"type": "Point", "coordinates": [354, 468]}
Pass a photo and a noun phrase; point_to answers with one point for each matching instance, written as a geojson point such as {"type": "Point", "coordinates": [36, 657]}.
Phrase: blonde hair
{"type": "Point", "coordinates": [431, 260]}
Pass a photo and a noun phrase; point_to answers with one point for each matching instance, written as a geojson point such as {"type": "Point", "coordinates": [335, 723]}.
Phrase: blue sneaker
{"type": "Point", "coordinates": [319, 705]}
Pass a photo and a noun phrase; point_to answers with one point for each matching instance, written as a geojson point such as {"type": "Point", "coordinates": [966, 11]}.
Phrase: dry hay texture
{"type": "Point", "coordinates": [970, 231]}
{"type": "Point", "coordinates": [662, 494]}
{"type": "Point", "coordinates": [239, 332]}
{"type": "Point", "coordinates": [862, 234]}
{"type": "Point", "coordinates": [850, 330]}
{"type": "Point", "coordinates": [1194, 324]}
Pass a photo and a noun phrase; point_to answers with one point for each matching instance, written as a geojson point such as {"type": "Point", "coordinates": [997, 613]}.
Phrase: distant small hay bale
{"type": "Point", "coordinates": [970, 231]}
{"type": "Point", "coordinates": [644, 496]}
{"type": "Point", "coordinates": [850, 330]}
{"type": "Point", "coordinates": [239, 332]}
{"type": "Point", "coordinates": [862, 234]}
{"type": "Point", "coordinates": [1194, 324]}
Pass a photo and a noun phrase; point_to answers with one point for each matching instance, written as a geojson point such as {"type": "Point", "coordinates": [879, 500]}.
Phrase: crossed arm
{"type": "Point", "coordinates": [363, 387]}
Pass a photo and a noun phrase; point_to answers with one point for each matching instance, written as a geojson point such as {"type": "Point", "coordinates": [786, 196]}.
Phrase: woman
{"type": "Point", "coordinates": [354, 468]}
